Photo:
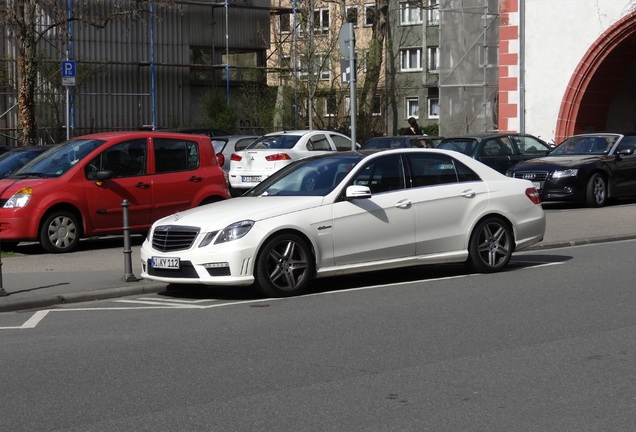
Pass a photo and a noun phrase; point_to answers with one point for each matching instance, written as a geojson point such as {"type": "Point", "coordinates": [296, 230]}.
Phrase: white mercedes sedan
{"type": "Point", "coordinates": [349, 212]}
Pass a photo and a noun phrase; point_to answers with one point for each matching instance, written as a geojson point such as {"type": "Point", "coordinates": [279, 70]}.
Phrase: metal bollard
{"type": "Point", "coordinates": [3, 292]}
{"type": "Point", "coordinates": [128, 274]}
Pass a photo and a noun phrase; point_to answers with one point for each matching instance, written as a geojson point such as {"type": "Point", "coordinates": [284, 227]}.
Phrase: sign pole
{"type": "Point", "coordinates": [347, 42]}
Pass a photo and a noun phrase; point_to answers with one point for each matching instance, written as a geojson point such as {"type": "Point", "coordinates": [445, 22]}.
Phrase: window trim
{"type": "Point", "coordinates": [409, 113]}
{"type": "Point", "coordinates": [407, 52]}
{"type": "Point", "coordinates": [406, 8]}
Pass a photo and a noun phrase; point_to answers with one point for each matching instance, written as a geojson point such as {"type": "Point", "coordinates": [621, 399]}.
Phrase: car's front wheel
{"type": "Point", "coordinates": [596, 192]}
{"type": "Point", "coordinates": [60, 232]}
{"type": "Point", "coordinates": [490, 246]}
{"type": "Point", "coordinates": [284, 266]}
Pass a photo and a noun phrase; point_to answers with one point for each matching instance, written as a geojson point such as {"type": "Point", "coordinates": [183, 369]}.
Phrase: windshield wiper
{"type": "Point", "coordinates": [30, 174]}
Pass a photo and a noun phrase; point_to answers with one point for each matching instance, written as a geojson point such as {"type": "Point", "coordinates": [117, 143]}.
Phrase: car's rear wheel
{"type": "Point", "coordinates": [60, 232]}
{"type": "Point", "coordinates": [490, 246]}
{"type": "Point", "coordinates": [596, 192]}
{"type": "Point", "coordinates": [284, 266]}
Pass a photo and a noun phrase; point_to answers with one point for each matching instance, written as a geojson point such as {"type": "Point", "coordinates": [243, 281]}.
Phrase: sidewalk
{"type": "Point", "coordinates": [38, 280]}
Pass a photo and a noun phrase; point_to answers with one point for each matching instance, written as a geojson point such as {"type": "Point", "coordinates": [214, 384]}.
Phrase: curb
{"type": "Point", "coordinates": [78, 297]}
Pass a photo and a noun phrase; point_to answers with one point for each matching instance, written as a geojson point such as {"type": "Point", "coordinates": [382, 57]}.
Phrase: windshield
{"type": "Point", "coordinates": [585, 145]}
{"type": "Point", "coordinates": [274, 142]}
{"type": "Point", "coordinates": [59, 160]}
{"type": "Point", "coordinates": [14, 160]}
{"type": "Point", "coordinates": [315, 176]}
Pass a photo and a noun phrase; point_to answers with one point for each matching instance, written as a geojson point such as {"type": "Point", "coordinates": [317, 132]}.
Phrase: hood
{"type": "Point", "coordinates": [223, 213]}
{"type": "Point", "coordinates": [9, 186]}
{"type": "Point", "coordinates": [554, 162]}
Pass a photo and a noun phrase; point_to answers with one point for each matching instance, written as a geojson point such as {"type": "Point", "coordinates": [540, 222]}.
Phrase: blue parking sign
{"type": "Point", "coordinates": [68, 72]}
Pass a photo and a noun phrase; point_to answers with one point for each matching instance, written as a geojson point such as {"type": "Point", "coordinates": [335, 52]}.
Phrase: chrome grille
{"type": "Point", "coordinates": [169, 238]}
{"type": "Point", "coordinates": [535, 176]}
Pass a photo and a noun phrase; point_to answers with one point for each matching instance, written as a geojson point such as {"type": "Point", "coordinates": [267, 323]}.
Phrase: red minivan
{"type": "Point", "coordinates": [77, 189]}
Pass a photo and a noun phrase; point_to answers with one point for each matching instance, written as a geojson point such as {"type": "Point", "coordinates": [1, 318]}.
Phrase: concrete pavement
{"type": "Point", "coordinates": [35, 279]}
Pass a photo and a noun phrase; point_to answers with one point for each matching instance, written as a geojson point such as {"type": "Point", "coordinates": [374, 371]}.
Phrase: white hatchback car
{"type": "Point", "coordinates": [349, 212]}
{"type": "Point", "coordinates": [273, 151]}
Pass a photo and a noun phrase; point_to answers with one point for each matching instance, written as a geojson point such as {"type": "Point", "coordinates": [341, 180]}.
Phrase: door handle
{"type": "Point", "coordinates": [142, 185]}
{"type": "Point", "coordinates": [195, 179]}
{"type": "Point", "coordinates": [468, 194]}
{"type": "Point", "coordinates": [403, 204]}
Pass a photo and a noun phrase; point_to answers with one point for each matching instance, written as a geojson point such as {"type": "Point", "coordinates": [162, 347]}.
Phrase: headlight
{"type": "Point", "coordinates": [19, 199]}
{"type": "Point", "coordinates": [565, 173]}
{"type": "Point", "coordinates": [234, 231]}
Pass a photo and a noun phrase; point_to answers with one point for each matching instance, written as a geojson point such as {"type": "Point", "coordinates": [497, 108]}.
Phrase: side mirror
{"type": "Point", "coordinates": [625, 152]}
{"type": "Point", "coordinates": [103, 175]}
{"type": "Point", "coordinates": [356, 192]}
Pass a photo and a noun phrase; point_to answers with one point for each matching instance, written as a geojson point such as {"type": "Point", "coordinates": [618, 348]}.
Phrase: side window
{"type": "Point", "coordinates": [382, 175]}
{"type": "Point", "coordinates": [175, 155]}
{"type": "Point", "coordinates": [342, 143]}
{"type": "Point", "coordinates": [318, 143]}
{"type": "Point", "coordinates": [126, 159]}
{"type": "Point", "coordinates": [435, 169]}
{"type": "Point", "coordinates": [530, 146]}
{"type": "Point", "coordinates": [626, 143]}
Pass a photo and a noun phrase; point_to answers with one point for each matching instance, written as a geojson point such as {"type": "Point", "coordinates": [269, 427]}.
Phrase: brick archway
{"type": "Point", "coordinates": [591, 89]}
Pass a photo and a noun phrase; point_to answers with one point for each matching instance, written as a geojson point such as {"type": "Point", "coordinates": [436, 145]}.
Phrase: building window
{"type": "Point", "coordinates": [321, 21]}
{"type": "Point", "coordinates": [432, 12]}
{"type": "Point", "coordinates": [410, 13]}
{"type": "Point", "coordinates": [376, 109]}
{"type": "Point", "coordinates": [412, 107]}
{"type": "Point", "coordinates": [322, 66]}
{"type": "Point", "coordinates": [433, 59]}
{"type": "Point", "coordinates": [411, 59]}
{"type": "Point", "coordinates": [286, 65]}
{"type": "Point", "coordinates": [351, 15]}
{"type": "Point", "coordinates": [330, 105]}
{"type": "Point", "coordinates": [433, 107]}
{"type": "Point", "coordinates": [369, 14]}
{"type": "Point", "coordinates": [285, 23]}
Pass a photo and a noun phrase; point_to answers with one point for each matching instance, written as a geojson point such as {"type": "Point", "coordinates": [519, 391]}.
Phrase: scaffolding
{"type": "Point", "coordinates": [469, 75]}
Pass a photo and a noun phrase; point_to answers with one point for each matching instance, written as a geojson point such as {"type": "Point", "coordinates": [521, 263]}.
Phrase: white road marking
{"type": "Point", "coordinates": [163, 303]}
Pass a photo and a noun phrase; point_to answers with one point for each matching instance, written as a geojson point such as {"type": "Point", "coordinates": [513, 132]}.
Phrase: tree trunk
{"type": "Point", "coordinates": [27, 75]}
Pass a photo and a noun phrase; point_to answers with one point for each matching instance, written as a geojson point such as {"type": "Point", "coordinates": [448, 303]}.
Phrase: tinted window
{"type": "Point", "coordinates": [318, 143]}
{"type": "Point", "coordinates": [243, 143]}
{"type": "Point", "coordinates": [342, 143]}
{"type": "Point", "coordinates": [465, 146]}
{"type": "Point", "coordinates": [175, 155]}
{"type": "Point", "coordinates": [274, 142]}
{"type": "Point", "coordinates": [126, 159]}
{"type": "Point", "coordinates": [435, 169]}
{"type": "Point", "coordinates": [382, 175]}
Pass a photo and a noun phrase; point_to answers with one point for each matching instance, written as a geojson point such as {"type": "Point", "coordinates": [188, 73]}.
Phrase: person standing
{"type": "Point", "coordinates": [414, 128]}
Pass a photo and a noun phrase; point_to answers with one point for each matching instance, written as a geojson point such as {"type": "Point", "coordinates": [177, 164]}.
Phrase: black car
{"type": "Point", "coordinates": [500, 151]}
{"type": "Point", "coordinates": [588, 168]}
{"type": "Point", "coordinates": [401, 141]}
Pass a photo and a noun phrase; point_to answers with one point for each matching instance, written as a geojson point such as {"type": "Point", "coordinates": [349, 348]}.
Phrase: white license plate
{"type": "Point", "coordinates": [251, 178]}
{"type": "Point", "coordinates": [538, 185]}
{"type": "Point", "coordinates": [165, 263]}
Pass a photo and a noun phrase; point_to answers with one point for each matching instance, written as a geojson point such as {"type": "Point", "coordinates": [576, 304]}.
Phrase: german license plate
{"type": "Point", "coordinates": [251, 178]}
{"type": "Point", "coordinates": [537, 185]}
{"type": "Point", "coordinates": [165, 263]}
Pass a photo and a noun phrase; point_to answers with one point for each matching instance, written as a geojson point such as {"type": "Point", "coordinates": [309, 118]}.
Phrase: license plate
{"type": "Point", "coordinates": [251, 178]}
{"type": "Point", "coordinates": [537, 185]}
{"type": "Point", "coordinates": [165, 263]}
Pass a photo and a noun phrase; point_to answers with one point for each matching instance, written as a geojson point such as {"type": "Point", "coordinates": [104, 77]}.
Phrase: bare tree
{"type": "Point", "coordinates": [25, 19]}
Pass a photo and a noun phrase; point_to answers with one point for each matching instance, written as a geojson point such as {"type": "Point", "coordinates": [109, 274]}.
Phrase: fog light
{"type": "Point", "coordinates": [218, 269]}
{"type": "Point", "coordinates": [216, 265]}
{"type": "Point", "coordinates": [567, 189]}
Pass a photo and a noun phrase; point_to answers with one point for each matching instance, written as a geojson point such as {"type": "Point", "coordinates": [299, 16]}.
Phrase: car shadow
{"type": "Point", "coordinates": [358, 280]}
{"type": "Point", "coordinates": [565, 205]}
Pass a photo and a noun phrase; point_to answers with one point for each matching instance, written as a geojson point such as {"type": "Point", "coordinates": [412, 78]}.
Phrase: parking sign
{"type": "Point", "coordinates": [68, 72]}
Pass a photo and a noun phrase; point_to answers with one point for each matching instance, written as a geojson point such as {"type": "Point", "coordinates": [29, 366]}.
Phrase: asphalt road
{"type": "Point", "coordinates": [548, 345]}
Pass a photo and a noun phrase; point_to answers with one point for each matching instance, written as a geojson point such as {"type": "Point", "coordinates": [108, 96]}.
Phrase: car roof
{"type": "Point", "coordinates": [134, 134]}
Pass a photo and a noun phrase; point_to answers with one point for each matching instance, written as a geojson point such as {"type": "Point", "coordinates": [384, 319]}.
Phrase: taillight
{"type": "Point", "coordinates": [278, 157]}
{"type": "Point", "coordinates": [220, 158]}
{"type": "Point", "coordinates": [235, 157]}
{"type": "Point", "coordinates": [533, 195]}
